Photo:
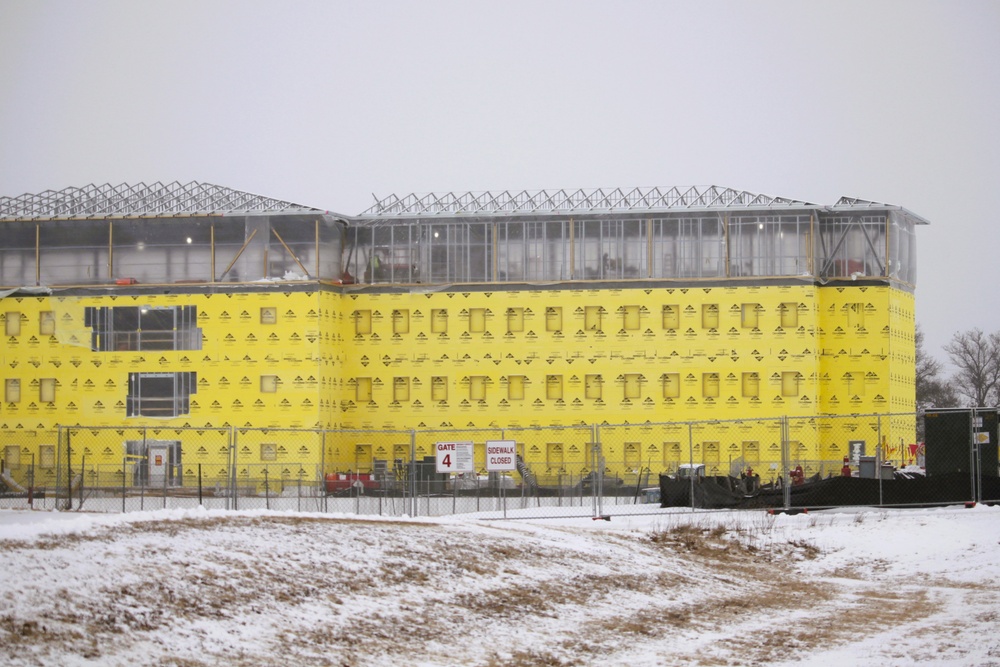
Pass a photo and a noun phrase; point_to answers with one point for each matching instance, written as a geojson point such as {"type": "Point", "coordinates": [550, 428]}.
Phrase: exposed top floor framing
{"type": "Point", "coordinates": [200, 233]}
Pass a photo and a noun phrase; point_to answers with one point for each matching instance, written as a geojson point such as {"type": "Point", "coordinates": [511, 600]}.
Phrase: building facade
{"type": "Point", "coordinates": [193, 310]}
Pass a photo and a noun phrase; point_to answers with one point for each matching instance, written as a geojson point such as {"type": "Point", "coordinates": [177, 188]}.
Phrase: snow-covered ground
{"type": "Point", "coordinates": [200, 587]}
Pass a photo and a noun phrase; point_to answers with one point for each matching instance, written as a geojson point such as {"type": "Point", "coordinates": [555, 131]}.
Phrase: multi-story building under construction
{"type": "Point", "coordinates": [195, 309]}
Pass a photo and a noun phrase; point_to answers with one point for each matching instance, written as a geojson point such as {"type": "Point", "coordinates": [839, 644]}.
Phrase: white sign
{"type": "Point", "coordinates": [501, 455]}
{"type": "Point", "coordinates": [454, 456]}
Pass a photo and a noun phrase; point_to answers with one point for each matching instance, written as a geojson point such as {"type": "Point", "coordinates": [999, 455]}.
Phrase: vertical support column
{"type": "Point", "coordinates": [111, 251]}
{"type": "Point", "coordinates": [38, 254]}
{"type": "Point", "coordinates": [212, 250]}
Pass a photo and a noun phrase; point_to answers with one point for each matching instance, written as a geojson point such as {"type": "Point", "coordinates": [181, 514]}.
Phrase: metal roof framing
{"type": "Point", "coordinates": [574, 201]}
{"type": "Point", "coordinates": [144, 200]}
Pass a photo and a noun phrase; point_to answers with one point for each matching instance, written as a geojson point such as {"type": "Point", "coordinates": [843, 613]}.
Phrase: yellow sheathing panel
{"type": "Point", "coordinates": [245, 338]}
{"type": "Point", "coordinates": [379, 364]}
{"type": "Point", "coordinates": [610, 372]}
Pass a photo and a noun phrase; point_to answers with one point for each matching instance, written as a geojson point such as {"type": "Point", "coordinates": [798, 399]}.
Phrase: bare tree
{"type": "Point", "coordinates": [932, 390]}
{"type": "Point", "coordinates": [976, 356]}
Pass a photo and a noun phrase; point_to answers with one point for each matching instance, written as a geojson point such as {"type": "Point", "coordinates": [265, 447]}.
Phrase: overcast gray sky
{"type": "Point", "coordinates": [325, 103]}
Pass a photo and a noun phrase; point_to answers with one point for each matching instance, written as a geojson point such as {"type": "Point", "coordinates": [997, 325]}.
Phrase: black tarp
{"type": "Point", "coordinates": [831, 492]}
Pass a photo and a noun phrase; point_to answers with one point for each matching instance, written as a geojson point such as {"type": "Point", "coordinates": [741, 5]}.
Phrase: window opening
{"type": "Point", "coordinates": [553, 387]}
{"type": "Point", "coordinates": [12, 390]}
{"type": "Point", "coordinates": [46, 323]}
{"type": "Point", "coordinates": [47, 390]}
{"type": "Point", "coordinates": [400, 321]}
{"type": "Point", "coordinates": [137, 328]}
{"type": "Point", "coordinates": [553, 318]}
{"type": "Point", "coordinates": [633, 385]}
{"type": "Point", "coordinates": [363, 390]}
{"type": "Point", "coordinates": [515, 388]}
{"type": "Point", "coordinates": [671, 385]}
{"type": "Point", "coordinates": [671, 317]}
{"type": "Point", "coordinates": [789, 315]}
{"type": "Point", "coordinates": [13, 323]}
{"type": "Point", "coordinates": [515, 320]}
{"type": "Point", "coordinates": [439, 320]}
{"type": "Point", "coordinates": [160, 394]}
{"type": "Point", "coordinates": [710, 385]}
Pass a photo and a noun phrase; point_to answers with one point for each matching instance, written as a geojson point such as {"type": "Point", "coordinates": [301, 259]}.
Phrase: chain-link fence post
{"type": "Point", "coordinates": [31, 483]}
{"type": "Point", "coordinates": [83, 477]}
{"type": "Point", "coordinates": [412, 475]}
{"type": "Point", "coordinates": [124, 480]}
{"type": "Point", "coordinates": [267, 491]}
{"type": "Point", "coordinates": [879, 457]}
{"type": "Point", "coordinates": [692, 471]}
{"type": "Point", "coordinates": [69, 471]}
{"type": "Point", "coordinates": [233, 483]}
{"type": "Point", "coordinates": [975, 467]}
{"type": "Point", "coordinates": [786, 463]}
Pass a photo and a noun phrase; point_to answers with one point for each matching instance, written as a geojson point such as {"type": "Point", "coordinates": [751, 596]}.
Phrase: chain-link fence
{"type": "Point", "coordinates": [597, 470]}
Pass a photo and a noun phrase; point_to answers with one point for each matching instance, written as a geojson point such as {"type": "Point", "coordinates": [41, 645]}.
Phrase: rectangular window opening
{"type": "Point", "coordinates": [671, 385]}
{"type": "Point", "coordinates": [268, 451]}
{"type": "Point", "coordinates": [401, 389]}
{"type": "Point", "coordinates": [789, 315]}
{"type": "Point", "coordinates": [633, 385]}
{"type": "Point", "coordinates": [46, 323]}
{"type": "Point", "coordinates": [47, 390]}
{"type": "Point", "coordinates": [439, 388]}
{"type": "Point", "coordinates": [515, 388]}
{"type": "Point", "coordinates": [709, 316]}
{"type": "Point", "coordinates": [139, 328]}
{"type": "Point", "coordinates": [515, 320]}
{"type": "Point", "coordinates": [400, 321]}
{"type": "Point", "coordinates": [553, 318]}
{"type": "Point", "coordinates": [477, 388]}
{"type": "Point", "coordinates": [47, 456]}
{"type": "Point", "coordinates": [160, 394]}
{"type": "Point", "coordinates": [672, 317]}
{"type": "Point", "coordinates": [13, 323]}
{"type": "Point", "coordinates": [630, 320]}
{"type": "Point", "coordinates": [363, 390]}
{"type": "Point", "coordinates": [790, 383]}
{"type": "Point", "coordinates": [553, 387]}
{"type": "Point", "coordinates": [592, 318]}
{"type": "Point", "coordinates": [12, 390]}
{"type": "Point", "coordinates": [439, 320]}
{"type": "Point", "coordinates": [362, 322]}
{"type": "Point", "coordinates": [710, 385]}
{"type": "Point", "coordinates": [477, 320]}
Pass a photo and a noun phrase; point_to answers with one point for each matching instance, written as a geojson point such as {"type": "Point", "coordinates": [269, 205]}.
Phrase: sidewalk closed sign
{"type": "Point", "coordinates": [501, 455]}
{"type": "Point", "coordinates": [454, 456]}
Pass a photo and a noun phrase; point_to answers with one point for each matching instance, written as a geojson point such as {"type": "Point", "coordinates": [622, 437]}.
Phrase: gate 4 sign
{"type": "Point", "coordinates": [501, 455]}
{"type": "Point", "coordinates": [454, 456]}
